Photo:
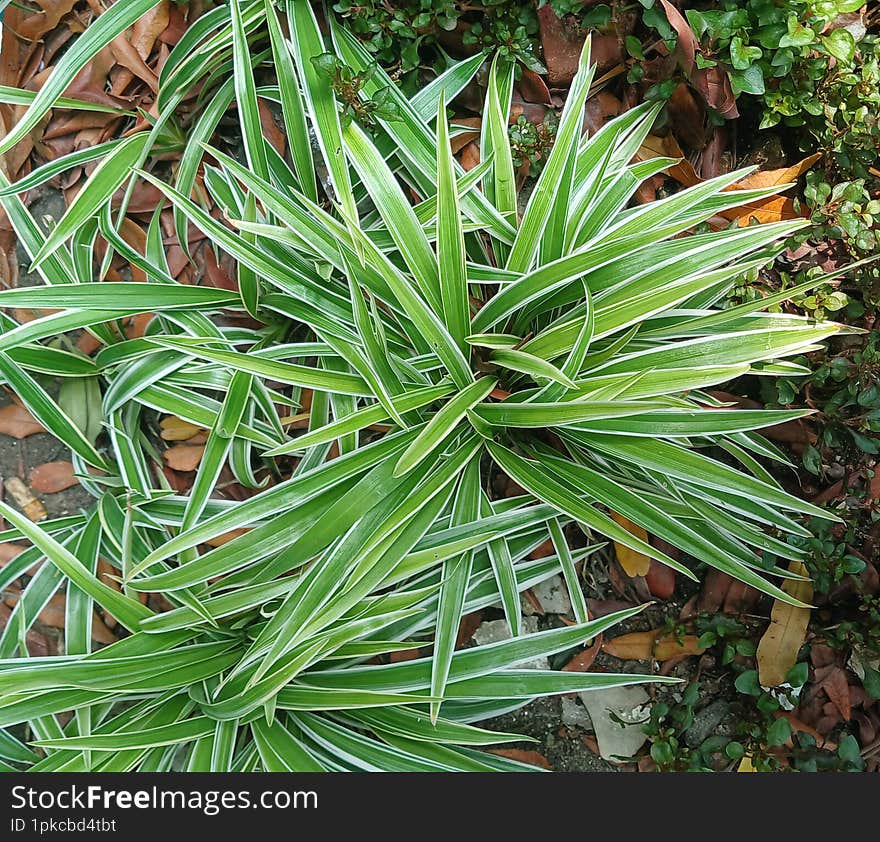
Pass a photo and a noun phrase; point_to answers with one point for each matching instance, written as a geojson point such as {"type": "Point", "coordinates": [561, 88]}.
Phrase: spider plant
{"type": "Point", "coordinates": [446, 351]}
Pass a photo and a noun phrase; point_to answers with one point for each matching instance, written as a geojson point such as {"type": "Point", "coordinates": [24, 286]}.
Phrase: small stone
{"type": "Point", "coordinates": [494, 631]}
{"type": "Point", "coordinates": [618, 715]}
{"type": "Point", "coordinates": [706, 721]}
{"type": "Point", "coordinates": [575, 714]}
{"type": "Point", "coordinates": [552, 593]}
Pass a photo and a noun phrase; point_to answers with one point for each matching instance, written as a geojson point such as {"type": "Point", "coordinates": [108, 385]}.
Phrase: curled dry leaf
{"type": "Point", "coordinates": [17, 422]}
{"type": "Point", "coordinates": [35, 26]}
{"type": "Point", "coordinates": [712, 82]}
{"type": "Point", "coordinates": [654, 645]}
{"type": "Point", "coordinates": [533, 88]}
{"type": "Point", "coordinates": [779, 645]}
{"type": "Point", "coordinates": [184, 457]}
{"type": "Point", "coordinates": [634, 563]}
{"type": "Point", "coordinates": [25, 500]}
{"type": "Point", "coordinates": [52, 477]}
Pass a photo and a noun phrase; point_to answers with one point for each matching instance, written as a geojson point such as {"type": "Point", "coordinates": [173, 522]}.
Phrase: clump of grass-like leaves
{"type": "Point", "coordinates": [445, 342]}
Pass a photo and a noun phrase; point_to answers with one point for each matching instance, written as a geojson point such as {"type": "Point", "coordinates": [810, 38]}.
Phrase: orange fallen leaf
{"type": "Point", "coordinates": [654, 645]}
{"type": "Point", "coordinates": [100, 632]}
{"type": "Point", "coordinates": [779, 646]}
{"type": "Point", "coordinates": [52, 477]}
{"type": "Point", "coordinates": [654, 146]}
{"type": "Point", "coordinates": [797, 725]}
{"type": "Point", "coordinates": [584, 660]}
{"type": "Point", "coordinates": [774, 209]}
{"type": "Point", "coordinates": [17, 422]}
{"type": "Point", "coordinates": [772, 178]}
{"type": "Point", "coordinates": [633, 562]}
{"type": "Point", "coordinates": [533, 758]}
{"type": "Point", "coordinates": [184, 457]}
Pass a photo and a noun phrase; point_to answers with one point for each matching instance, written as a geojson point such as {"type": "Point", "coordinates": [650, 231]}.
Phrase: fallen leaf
{"type": "Point", "coordinates": [835, 684]}
{"type": "Point", "coordinates": [52, 477]}
{"type": "Point", "coordinates": [100, 632]}
{"type": "Point", "coordinates": [172, 428]}
{"type": "Point", "coordinates": [17, 422]}
{"type": "Point", "coordinates": [688, 116]}
{"type": "Point", "coordinates": [25, 500]}
{"type": "Point", "coordinates": [544, 550]}
{"type": "Point", "coordinates": [654, 645]}
{"type": "Point", "coordinates": [713, 591]}
{"type": "Point", "coordinates": [740, 598]}
{"type": "Point", "coordinates": [686, 45]}
{"type": "Point", "coordinates": [779, 646]}
{"type": "Point", "coordinates": [798, 725]}
{"type": "Point", "coordinates": [584, 660]}
{"type": "Point", "coordinates": [713, 84]}
{"type": "Point", "coordinates": [654, 146]}
{"type": "Point", "coordinates": [660, 580]}
{"type": "Point", "coordinates": [35, 26]}
{"type": "Point", "coordinates": [773, 178]}
{"type": "Point", "coordinates": [633, 562]}
{"type": "Point", "coordinates": [745, 765]}
{"type": "Point", "coordinates": [9, 551]}
{"type": "Point", "coordinates": [561, 50]}
{"type": "Point", "coordinates": [533, 758]}
{"type": "Point", "coordinates": [466, 628]}
{"type": "Point", "coordinates": [774, 209]}
{"type": "Point", "coordinates": [470, 156]}
{"type": "Point", "coordinates": [604, 607]}
{"type": "Point", "coordinates": [533, 88]}
{"type": "Point", "coordinates": [184, 457]}
{"type": "Point", "coordinates": [226, 537]}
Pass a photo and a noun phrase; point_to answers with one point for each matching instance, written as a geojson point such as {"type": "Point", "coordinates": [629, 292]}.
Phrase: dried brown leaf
{"type": "Point", "coordinates": [184, 457]}
{"type": "Point", "coordinates": [17, 422]}
{"type": "Point", "coordinates": [779, 646]}
{"type": "Point", "coordinates": [52, 477]}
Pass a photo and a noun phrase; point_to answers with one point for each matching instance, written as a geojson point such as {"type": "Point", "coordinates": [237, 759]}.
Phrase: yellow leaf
{"type": "Point", "coordinates": [779, 646]}
{"type": "Point", "coordinates": [634, 563]}
{"type": "Point", "coordinates": [172, 428]}
{"type": "Point", "coordinates": [745, 765]}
